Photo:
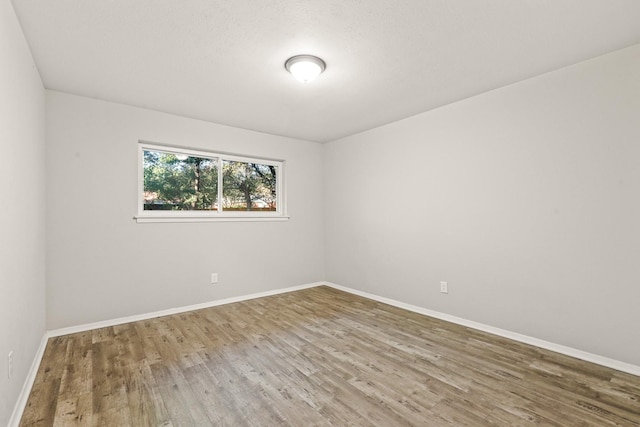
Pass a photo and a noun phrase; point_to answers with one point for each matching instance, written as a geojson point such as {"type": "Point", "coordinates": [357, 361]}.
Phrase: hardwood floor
{"type": "Point", "coordinates": [317, 357]}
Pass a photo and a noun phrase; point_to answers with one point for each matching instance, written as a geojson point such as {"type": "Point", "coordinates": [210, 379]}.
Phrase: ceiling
{"type": "Point", "coordinates": [223, 61]}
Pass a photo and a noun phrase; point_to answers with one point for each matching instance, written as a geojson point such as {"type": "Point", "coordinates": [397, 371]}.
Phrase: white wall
{"type": "Point", "coordinates": [525, 199]}
{"type": "Point", "coordinates": [22, 216]}
{"type": "Point", "coordinates": [103, 265]}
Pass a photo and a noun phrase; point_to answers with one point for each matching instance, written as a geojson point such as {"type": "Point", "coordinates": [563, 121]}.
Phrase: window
{"type": "Point", "coordinates": [178, 184]}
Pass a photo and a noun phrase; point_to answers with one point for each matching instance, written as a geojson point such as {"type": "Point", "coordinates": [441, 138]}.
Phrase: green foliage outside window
{"type": "Point", "coordinates": [179, 182]}
{"type": "Point", "coordinates": [248, 186]}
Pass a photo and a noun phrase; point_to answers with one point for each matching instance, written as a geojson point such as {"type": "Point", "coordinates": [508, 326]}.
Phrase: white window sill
{"type": "Point", "coordinates": [209, 218]}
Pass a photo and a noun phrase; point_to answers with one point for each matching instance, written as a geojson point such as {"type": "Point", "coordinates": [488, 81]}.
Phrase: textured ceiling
{"type": "Point", "coordinates": [223, 61]}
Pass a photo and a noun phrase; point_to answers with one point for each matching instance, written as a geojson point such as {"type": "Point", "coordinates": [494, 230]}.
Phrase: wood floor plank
{"type": "Point", "coordinates": [317, 357]}
{"type": "Point", "coordinates": [74, 411]}
{"type": "Point", "coordinates": [43, 399]}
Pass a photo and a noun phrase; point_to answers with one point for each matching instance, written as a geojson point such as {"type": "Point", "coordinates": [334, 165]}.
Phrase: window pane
{"type": "Point", "coordinates": [248, 186]}
{"type": "Point", "coordinates": [177, 182]}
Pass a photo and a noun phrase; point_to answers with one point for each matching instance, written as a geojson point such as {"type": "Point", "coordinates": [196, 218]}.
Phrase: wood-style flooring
{"type": "Point", "coordinates": [317, 357]}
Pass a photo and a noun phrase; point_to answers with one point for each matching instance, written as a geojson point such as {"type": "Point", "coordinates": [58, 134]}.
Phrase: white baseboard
{"type": "Point", "coordinates": [176, 310]}
{"type": "Point", "coordinates": [568, 351]}
{"type": "Point", "coordinates": [18, 409]}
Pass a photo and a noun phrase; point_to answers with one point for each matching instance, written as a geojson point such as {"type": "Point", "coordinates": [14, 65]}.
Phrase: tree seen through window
{"type": "Point", "coordinates": [180, 182]}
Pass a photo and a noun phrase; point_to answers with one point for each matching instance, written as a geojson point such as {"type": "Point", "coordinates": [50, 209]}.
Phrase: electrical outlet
{"type": "Point", "coordinates": [444, 287]}
{"type": "Point", "coordinates": [214, 277]}
{"type": "Point", "coordinates": [10, 365]}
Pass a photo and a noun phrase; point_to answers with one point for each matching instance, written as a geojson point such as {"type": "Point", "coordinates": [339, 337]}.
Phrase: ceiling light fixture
{"type": "Point", "coordinates": [305, 67]}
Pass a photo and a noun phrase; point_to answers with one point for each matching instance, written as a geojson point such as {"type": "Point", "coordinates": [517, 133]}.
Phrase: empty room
{"type": "Point", "coordinates": [320, 213]}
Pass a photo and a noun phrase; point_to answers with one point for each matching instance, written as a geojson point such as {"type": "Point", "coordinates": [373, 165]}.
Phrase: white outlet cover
{"type": "Point", "coordinates": [10, 364]}
{"type": "Point", "coordinates": [444, 287]}
{"type": "Point", "coordinates": [214, 277]}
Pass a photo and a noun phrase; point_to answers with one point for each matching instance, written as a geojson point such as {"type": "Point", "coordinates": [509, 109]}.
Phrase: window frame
{"type": "Point", "coordinates": [280, 214]}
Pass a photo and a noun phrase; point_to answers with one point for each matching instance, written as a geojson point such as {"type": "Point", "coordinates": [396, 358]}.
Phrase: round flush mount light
{"type": "Point", "coordinates": [305, 67]}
